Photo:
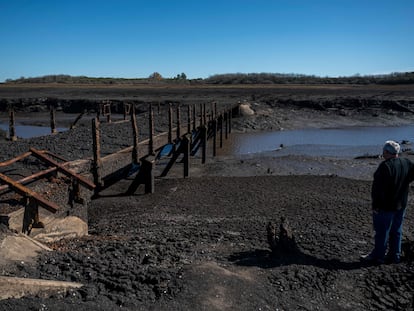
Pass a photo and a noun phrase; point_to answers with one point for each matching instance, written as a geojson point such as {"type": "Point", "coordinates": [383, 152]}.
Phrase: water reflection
{"type": "Point", "coordinates": [318, 142]}
{"type": "Point", "coordinates": [28, 131]}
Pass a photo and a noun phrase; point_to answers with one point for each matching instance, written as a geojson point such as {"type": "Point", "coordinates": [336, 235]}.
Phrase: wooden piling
{"type": "Point", "coordinates": [204, 114]}
{"type": "Point", "coordinates": [170, 125]}
{"type": "Point", "coordinates": [185, 143]}
{"type": "Point", "coordinates": [203, 143]}
{"type": "Point", "coordinates": [178, 122]}
{"type": "Point", "coordinates": [97, 162]}
{"type": "Point", "coordinates": [214, 125]}
{"type": "Point", "coordinates": [12, 131]}
{"type": "Point", "coordinates": [226, 119]}
{"type": "Point", "coordinates": [230, 117]}
{"type": "Point", "coordinates": [194, 117]}
{"type": "Point", "coordinates": [221, 130]}
{"type": "Point", "coordinates": [145, 176]}
{"type": "Point", "coordinates": [201, 114]}
{"type": "Point", "coordinates": [135, 136]}
{"type": "Point", "coordinates": [151, 130]}
{"type": "Point", "coordinates": [189, 119]}
{"type": "Point", "coordinates": [53, 119]}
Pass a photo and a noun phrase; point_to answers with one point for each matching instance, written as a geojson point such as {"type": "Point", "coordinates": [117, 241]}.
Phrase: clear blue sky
{"type": "Point", "coordinates": [134, 38]}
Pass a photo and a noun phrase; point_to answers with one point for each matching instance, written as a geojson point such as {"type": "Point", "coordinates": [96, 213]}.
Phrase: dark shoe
{"type": "Point", "coordinates": [369, 259]}
{"type": "Point", "coordinates": [392, 260]}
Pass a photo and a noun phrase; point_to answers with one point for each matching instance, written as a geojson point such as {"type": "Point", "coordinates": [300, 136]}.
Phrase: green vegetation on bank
{"type": "Point", "coordinates": [228, 79]}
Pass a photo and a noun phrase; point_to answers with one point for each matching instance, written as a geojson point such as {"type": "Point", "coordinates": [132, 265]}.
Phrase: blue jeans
{"type": "Point", "coordinates": [388, 230]}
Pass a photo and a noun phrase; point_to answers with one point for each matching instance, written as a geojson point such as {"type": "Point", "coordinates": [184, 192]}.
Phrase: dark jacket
{"type": "Point", "coordinates": [390, 185]}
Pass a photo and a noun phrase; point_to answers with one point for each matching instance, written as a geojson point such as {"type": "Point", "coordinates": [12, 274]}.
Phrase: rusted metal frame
{"type": "Point", "coordinates": [144, 176]}
{"type": "Point", "coordinates": [30, 178]}
{"type": "Point", "coordinates": [170, 123]}
{"type": "Point", "coordinates": [53, 119]}
{"type": "Point", "coordinates": [151, 130]}
{"type": "Point", "coordinates": [135, 154]}
{"type": "Point", "coordinates": [54, 155]}
{"type": "Point", "coordinates": [18, 158]}
{"type": "Point", "coordinates": [12, 131]}
{"type": "Point", "coordinates": [61, 168]}
{"type": "Point", "coordinates": [24, 191]}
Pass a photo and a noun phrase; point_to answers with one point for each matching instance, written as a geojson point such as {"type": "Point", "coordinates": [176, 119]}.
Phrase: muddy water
{"type": "Point", "coordinates": [344, 142]}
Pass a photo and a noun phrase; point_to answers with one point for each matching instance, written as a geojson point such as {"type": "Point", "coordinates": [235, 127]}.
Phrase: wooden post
{"type": "Point", "coordinates": [230, 117]}
{"type": "Point", "coordinates": [226, 119]}
{"type": "Point", "coordinates": [108, 112]}
{"type": "Point", "coordinates": [136, 137]}
{"type": "Point", "coordinates": [204, 114]}
{"type": "Point", "coordinates": [53, 119]}
{"type": "Point", "coordinates": [194, 117]}
{"type": "Point", "coordinates": [201, 114]}
{"type": "Point", "coordinates": [203, 143]}
{"type": "Point", "coordinates": [159, 108]}
{"type": "Point", "coordinates": [97, 162]}
{"type": "Point", "coordinates": [185, 143]}
{"type": "Point", "coordinates": [170, 126]}
{"type": "Point", "coordinates": [178, 122]}
{"type": "Point", "coordinates": [98, 110]}
{"type": "Point", "coordinates": [151, 131]}
{"type": "Point", "coordinates": [214, 137]}
{"type": "Point", "coordinates": [145, 176]}
{"type": "Point", "coordinates": [221, 130]}
{"type": "Point", "coordinates": [188, 119]}
{"type": "Point", "coordinates": [31, 216]}
{"type": "Point", "coordinates": [12, 132]}
{"type": "Point", "coordinates": [127, 110]}
{"type": "Point", "coordinates": [72, 126]}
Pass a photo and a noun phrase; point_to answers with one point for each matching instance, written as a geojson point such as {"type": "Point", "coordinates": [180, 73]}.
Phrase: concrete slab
{"type": "Point", "coordinates": [55, 228]}
{"type": "Point", "coordinates": [20, 247]}
{"type": "Point", "coordinates": [11, 287]}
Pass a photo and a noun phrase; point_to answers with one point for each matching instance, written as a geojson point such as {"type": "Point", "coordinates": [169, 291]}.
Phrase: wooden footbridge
{"type": "Point", "coordinates": [186, 137]}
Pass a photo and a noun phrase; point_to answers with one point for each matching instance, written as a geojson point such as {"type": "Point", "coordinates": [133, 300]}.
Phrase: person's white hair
{"type": "Point", "coordinates": [392, 147]}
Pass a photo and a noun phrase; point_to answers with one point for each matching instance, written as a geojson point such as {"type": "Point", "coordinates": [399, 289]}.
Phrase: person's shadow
{"type": "Point", "coordinates": [269, 259]}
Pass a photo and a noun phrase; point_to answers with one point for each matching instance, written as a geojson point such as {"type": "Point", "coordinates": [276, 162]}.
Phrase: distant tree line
{"type": "Point", "coordinates": [277, 78]}
{"type": "Point", "coordinates": [228, 79]}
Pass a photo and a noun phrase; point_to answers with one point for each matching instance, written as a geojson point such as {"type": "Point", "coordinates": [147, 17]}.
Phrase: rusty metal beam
{"type": "Point", "coordinates": [31, 177]}
{"type": "Point", "coordinates": [18, 158]}
{"type": "Point", "coordinates": [24, 191]}
{"type": "Point", "coordinates": [63, 169]}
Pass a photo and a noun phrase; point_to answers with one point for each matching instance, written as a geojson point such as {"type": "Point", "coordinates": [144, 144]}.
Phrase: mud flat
{"type": "Point", "coordinates": [200, 243]}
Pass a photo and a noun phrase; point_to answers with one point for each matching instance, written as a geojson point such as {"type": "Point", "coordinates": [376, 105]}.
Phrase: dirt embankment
{"type": "Point", "coordinates": [200, 243]}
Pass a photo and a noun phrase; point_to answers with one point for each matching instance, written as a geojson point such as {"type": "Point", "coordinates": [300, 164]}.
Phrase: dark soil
{"type": "Point", "coordinates": [200, 243]}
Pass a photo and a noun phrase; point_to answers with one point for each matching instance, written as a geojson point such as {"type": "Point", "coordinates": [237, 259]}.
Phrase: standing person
{"type": "Point", "coordinates": [389, 201]}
